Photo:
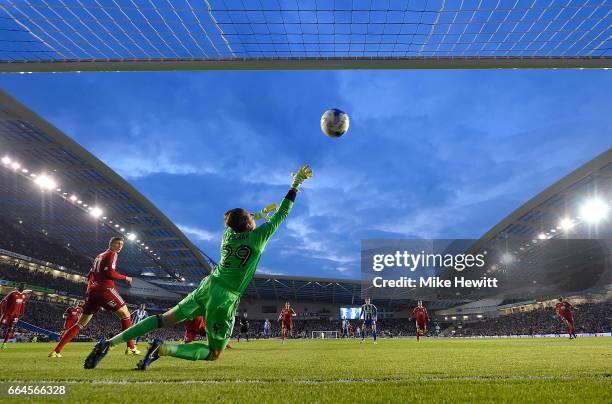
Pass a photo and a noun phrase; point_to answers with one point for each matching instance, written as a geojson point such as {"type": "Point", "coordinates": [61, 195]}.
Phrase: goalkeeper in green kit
{"type": "Point", "coordinates": [218, 295]}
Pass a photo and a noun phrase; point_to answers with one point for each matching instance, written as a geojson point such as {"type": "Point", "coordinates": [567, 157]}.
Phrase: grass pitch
{"type": "Point", "coordinates": [434, 370]}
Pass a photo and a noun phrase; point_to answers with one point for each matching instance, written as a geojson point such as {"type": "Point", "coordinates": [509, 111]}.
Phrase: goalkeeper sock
{"type": "Point", "coordinates": [193, 352]}
{"type": "Point", "coordinates": [137, 330]}
{"type": "Point", "coordinates": [374, 335]}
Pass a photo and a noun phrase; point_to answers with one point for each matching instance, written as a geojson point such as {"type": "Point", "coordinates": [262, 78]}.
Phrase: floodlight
{"type": "Point", "coordinates": [96, 212]}
{"type": "Point", "coordinates": [45, 182]}
{"type": "Point", "coordinates": [566, 224]}
{"type": "Point", "coordinates": [594, 210]}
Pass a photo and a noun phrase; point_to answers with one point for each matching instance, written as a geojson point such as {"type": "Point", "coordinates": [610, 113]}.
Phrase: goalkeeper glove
{"type": "Point", "coordinates": [302, 175]}
{"type": "Point", "coordinates": [265, 212]}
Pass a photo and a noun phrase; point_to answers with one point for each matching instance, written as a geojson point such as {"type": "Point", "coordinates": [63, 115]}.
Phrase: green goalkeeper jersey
{"type": "Point", "coordinates": [241, 252]}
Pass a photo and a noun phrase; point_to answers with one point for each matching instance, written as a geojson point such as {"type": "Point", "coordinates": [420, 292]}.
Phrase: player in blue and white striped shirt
{"type": "Point", "coordinates": [266, 328]}
{"type": "Point", "coordinates": [368, 314]}
{"type": "Point", "coordinates": [139, 315]}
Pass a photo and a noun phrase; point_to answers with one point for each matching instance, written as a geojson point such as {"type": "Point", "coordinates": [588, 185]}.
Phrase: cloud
{"type": "Point", "coordinates": [139, 164]}
{"type": "Point", "coordinates": [317, 243]}
{"type": "Point", "coordinates": [199, 233]}
{"type": "Point", "coordinates": [269, 271]}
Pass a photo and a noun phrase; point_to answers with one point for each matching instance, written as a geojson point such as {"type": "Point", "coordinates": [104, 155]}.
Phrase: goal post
{"type": "Point", "coordinates": [325, 335]}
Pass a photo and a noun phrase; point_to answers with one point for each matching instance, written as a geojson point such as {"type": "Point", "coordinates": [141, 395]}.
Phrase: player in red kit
{"type": "Point", "coordinates": [11, 308]}
{"type": "Point", "coordinates": [422, 318]}
{"type": "Point", "coordinates": [196, 327]}
{"type": "Point", "coordinates": [101, 293]}
{"type": "Point", "coordinates": [286, 317]}
{"type": "Point", "coordinates": [193, 328]}
{"type": "Point", "coordinates": [71, 316]}
{"type": "Point", "coordinates": [564, 309]}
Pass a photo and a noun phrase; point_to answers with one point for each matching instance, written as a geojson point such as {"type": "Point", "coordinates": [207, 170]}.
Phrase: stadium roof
{"type": "Point", "coordinates": [61, 35]}
{"type": "Point", "coordinates": [560, 240]}
{"type": "Point", "coordinates": [282, 287]}
{"type": "Point", "coordinates": [323, 290]}
{"type": "Point", "coordinates": [53, 185]}
{"type": "Point", "coordinates": [544, 212]}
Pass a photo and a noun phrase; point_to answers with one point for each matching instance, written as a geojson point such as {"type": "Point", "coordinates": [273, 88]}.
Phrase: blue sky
{"type": "Point", "coordinates": [443, 154]}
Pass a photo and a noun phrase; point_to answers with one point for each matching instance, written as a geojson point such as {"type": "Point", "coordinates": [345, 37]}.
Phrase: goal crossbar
{"type": "Point", "coordinates": [73, 35]}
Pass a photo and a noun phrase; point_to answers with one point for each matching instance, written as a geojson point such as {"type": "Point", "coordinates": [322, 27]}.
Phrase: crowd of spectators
{"type": "Point", "coordinates": [48, 315]}
{"type": "Point", "coordinates": [16, 273]}
{"type": "Point", "coordinates": [589, 317]}
{"type": "Point", "coordinates": [103, 324]}
{"type": "Point", "coordinates": [304, 327]}
{"type": "Point", "coordinates": [16, 238]}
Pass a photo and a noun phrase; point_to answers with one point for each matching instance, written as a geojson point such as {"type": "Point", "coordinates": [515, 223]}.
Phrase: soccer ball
{"type": "Point", "coordinates": [334, 122]}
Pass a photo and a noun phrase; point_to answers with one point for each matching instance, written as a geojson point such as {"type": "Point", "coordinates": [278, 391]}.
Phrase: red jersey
{"type": "Point", "coordinates": [72, 314]}
{"type": "Point", "coordinates": [195, 325]}
{"type": "Point", "coordinates": [563, 308]}
{"type": "Point", "coordinates": [13, 304]}
{"type": "Point", "coordinates": [286, 315]}
{"type": "Point", "coordinates": [103, 273]}
{"type": "Point", "coordinates": [420, 313]}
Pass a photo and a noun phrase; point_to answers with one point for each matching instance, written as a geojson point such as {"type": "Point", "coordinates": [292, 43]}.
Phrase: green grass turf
{"type": "Point", "coordinates": [434, 370]}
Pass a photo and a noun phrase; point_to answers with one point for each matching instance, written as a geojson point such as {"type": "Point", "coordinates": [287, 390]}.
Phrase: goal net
{"type": "Point", "coordinates": [324, 334]}
{"type": "Point", "coordinates": [64, 35]}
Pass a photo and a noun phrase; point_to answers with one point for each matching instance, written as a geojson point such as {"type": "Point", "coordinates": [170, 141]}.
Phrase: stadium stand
{"type": "Point", "coordinates": [45, 311]}
{"type": "Point", "coordinates": [48, 315]}
{"type": "Point", "coordinates": [65, 285]}
{"type": "Point", "coordinates": [19, 239]}
{"type": "Point", "coordinates": [589, 317]}
{"type": "Point", "coordinates": [15, 273]}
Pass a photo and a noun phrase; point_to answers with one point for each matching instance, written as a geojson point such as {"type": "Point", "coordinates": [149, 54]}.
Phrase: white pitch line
{"type": "Point", "coordinates": [314, 382]}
